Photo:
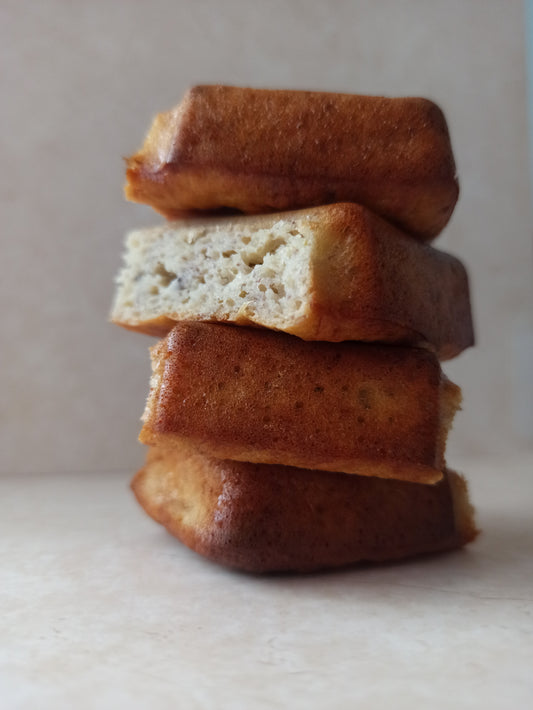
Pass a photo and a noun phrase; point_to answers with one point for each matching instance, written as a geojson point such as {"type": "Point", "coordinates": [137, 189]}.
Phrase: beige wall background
{"type": "Point", "coordinates": [79, 85]}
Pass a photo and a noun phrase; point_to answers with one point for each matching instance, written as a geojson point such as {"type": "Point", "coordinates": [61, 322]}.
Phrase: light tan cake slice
{"type": "Point", "coordinates": [262, 518]}
{"type": "Point", "coordinates": [265, 397]}
{"type": "Point", "coordinates": [332, 273]}
{"type": "Point", "coordinates": [257, 150]}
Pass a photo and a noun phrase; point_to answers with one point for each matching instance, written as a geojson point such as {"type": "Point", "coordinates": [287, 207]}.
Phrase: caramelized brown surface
{"type": "Point", "coordinates": [259, 150]}
{"type": "Point", "coordinates": [266, 397]}
{"type": "Point", "coordinates": [274, 518]}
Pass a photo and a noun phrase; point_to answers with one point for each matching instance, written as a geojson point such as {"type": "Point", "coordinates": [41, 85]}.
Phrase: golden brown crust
{"type": "Point", "coordinates": [266, 397]}
{"type": "Point", "coordinates": [262, 518]}
{"type": "Point", "coordinates": [368, 282]}
{"type": "Point", "coordinates": [257, 150]}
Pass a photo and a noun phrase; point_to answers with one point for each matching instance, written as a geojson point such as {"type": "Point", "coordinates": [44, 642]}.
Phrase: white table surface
{"type": "Point", "coordinates": [100, 608]}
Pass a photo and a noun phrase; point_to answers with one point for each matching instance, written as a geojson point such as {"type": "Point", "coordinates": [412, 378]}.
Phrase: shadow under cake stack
{"type": "Point", "coordinates": [298, 414]}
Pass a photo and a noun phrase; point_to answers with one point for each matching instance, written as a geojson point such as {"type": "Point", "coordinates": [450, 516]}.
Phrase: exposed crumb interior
{"type": "Point", "coordinates": [220, 272]}
{"type": "Point", "coordinates": [450, 401]}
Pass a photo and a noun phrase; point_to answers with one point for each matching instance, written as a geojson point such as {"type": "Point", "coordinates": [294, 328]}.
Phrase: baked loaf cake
{"type": "Point", "coordinates": [331, 273]}
{"type": "Point", "coordinates": [314, 439]}
{"type": "Point", "coordinates": [265, 397]}
{"type": "Point", "coordinates": [263, 518]}
{"type": "Point", "coordinates": [257, 150]}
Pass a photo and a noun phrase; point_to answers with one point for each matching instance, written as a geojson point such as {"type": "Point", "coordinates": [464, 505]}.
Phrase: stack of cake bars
{"type": "Point", "coordinates": [298, 414]}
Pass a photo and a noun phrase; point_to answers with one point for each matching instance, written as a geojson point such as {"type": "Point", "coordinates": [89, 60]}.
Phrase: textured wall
{"type": "Point", "coordinates": [80, 83]}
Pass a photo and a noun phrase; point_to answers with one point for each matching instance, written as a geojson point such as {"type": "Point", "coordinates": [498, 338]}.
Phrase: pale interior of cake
{"type": "Point", "coordinates": [220, 272]}
{"type": "Point", "coordinates": [450, 398]}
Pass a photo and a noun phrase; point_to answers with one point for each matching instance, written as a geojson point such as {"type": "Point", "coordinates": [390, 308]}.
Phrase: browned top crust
{"type": "Point", "coordinates": [258, 150]}
{"type": "Point", "coordinates": [272, 518]}
{"type": "Point", "coordinates": [266, 397]}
